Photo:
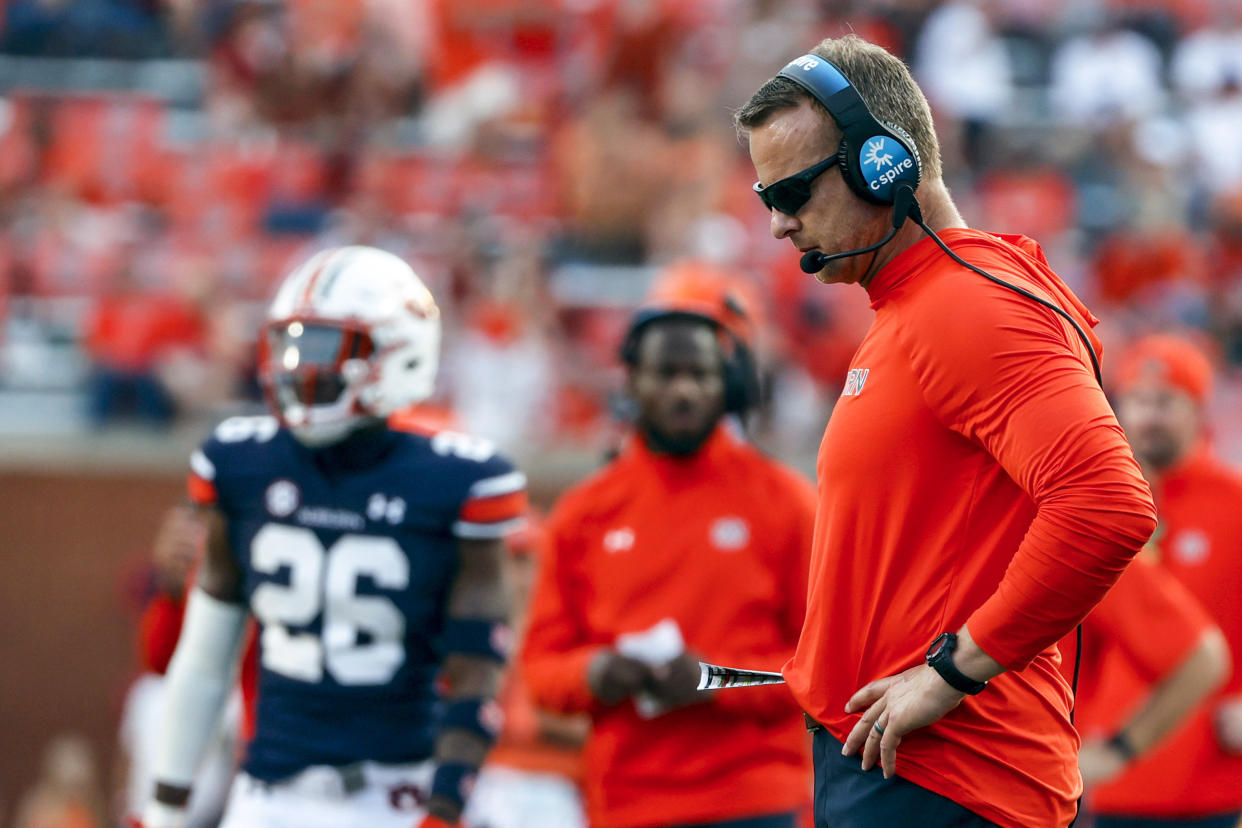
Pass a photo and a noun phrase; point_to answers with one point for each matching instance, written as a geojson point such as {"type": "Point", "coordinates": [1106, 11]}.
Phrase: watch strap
{"type": "Point", "coordinates": [940, 659]}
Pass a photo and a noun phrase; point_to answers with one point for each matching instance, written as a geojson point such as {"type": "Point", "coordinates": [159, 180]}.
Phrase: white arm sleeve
{"type": "Point", "coordinates": [198, 682]}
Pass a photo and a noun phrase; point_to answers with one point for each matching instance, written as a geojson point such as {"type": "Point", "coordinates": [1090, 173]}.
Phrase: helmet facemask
{"type": "Point", "coordinates": [314, 373]}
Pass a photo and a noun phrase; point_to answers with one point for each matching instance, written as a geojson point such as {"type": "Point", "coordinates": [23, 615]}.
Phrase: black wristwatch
{"type": "Point", "coordinates": [940, 659]}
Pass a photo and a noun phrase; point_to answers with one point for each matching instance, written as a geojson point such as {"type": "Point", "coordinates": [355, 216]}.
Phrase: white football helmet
{"type": "Point", "coordinates": [352, 335]}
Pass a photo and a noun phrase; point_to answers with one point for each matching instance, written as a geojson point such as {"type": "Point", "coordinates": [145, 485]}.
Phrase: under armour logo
{"type": "Point", "coordinates": [380, 508]}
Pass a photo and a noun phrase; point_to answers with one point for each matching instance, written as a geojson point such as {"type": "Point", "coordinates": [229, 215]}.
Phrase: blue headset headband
{"type": "Point", "coordinates": [874, 157]}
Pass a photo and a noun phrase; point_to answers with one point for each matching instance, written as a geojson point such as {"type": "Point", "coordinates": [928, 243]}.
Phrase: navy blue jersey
{"type": "Point", "coordinates": [347, 569]}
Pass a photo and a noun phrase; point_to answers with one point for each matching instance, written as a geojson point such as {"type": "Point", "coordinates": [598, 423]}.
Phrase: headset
{"type": "Point", "coordinates": [881, 165]}
{"type": "Point", "coordinates": [740, 369]}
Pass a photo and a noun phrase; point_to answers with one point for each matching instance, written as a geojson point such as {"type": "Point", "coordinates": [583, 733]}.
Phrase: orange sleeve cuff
{"type": "Point", "coordinates": [201, 491]}
{"type": "Point", "coordinates": [558, 681]}
{"type": "Point", "coordinates": [986, 628]}
{"type": "Point", "coordinates": [495, 509]}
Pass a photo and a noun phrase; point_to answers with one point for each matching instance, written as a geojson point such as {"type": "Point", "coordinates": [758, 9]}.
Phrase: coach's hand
{"type": "Point", "coordinates": [908, 701]}
{"type": "Point", "coordinates": [676, 684]}
{"type": "Point", "coordinates": [613, 677]}
{"type": "Point", "coordinates": [900, 704]}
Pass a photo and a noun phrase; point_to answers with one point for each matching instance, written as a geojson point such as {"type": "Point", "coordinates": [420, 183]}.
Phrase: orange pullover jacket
{"type": "Point", "coordinates": [720, 543]}
{"type": "Point", "coordinates": [972, 471]}
{"type": "Point", "coordinates": [1144, 630]}
{"type": "Point", "coordinates": [1191, 774]}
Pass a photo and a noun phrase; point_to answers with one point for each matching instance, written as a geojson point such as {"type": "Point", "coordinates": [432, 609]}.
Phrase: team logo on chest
{"type": "Point", "coordinates": [1192, 546]}
{"type": "Point", "coordinates": [282, 498]}
{"type": "Point", "coordinates": [730, 534]}
{"type": "Point", "coordinates": [619, 540]}
{"type": "Point", "coordinates": [854, 382]}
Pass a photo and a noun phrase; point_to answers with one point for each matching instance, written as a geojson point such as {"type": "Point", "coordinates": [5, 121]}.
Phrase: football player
{"type": "Point", "coordinates": [370, 559]}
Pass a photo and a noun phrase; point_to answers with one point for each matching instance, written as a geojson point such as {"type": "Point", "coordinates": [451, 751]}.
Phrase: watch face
{"type": "Point", "coordinates": [938, 646]}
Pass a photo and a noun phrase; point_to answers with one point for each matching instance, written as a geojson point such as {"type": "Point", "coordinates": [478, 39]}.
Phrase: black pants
{"type": "Point", "coordinates": [1228, 820]}
{"type": "Point", "coordinates": [846, 796]}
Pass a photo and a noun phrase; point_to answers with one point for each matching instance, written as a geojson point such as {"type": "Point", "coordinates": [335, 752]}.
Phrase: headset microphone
{"type": "Point", "coordinates": [904, 206]}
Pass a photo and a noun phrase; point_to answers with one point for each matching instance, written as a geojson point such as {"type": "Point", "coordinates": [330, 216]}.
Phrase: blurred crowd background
{"type": "Point", "coordinates": [164, 162]}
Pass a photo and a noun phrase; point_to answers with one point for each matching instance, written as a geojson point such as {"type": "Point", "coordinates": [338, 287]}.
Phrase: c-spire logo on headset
{"type": "Point", "coordinates": [879, 156]}
{"type": "Point", "coordinates": [875, 156]}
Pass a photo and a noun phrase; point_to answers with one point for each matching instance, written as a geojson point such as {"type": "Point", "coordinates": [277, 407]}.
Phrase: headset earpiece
{"type": "Point", "coordinates": [743, 389]}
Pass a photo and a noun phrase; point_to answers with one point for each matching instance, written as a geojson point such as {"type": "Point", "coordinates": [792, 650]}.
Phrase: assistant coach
{"type": "Point", "coordinates": [976, 495]}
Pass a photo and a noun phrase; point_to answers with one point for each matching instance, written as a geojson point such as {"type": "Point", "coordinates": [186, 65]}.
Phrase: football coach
{"type": "Point", "coordinates": [976, 495]}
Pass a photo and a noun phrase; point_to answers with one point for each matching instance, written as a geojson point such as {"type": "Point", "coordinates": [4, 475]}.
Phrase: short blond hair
{"type": "Point", "coordinates": [883, 81]}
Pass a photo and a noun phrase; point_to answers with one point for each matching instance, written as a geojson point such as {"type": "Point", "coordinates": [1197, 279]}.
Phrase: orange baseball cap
{"type": "Point", "coordinates": [717, 293]}
{"type": "Point", "coordinates": [1166, 359]}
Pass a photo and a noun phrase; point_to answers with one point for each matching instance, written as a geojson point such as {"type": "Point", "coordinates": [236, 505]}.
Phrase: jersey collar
{"type": "Point", "coordinates": [723, 439]}
{"type": "Point", "coordinates": [913, 261]}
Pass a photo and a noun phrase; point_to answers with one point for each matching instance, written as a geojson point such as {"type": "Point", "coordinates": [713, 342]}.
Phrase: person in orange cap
{"type": "Point", "coordinates": [720, 293]}
{"type": "Point", "coordinates": [697, 290]}
{"type": "Point", "coordinates": [690, 544]}
{"type": "Point", "coordinates": [1195, 776]}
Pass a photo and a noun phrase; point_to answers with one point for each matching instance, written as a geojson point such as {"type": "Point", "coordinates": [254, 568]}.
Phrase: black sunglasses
{"type": "Point", "coordinates": [789, 195]}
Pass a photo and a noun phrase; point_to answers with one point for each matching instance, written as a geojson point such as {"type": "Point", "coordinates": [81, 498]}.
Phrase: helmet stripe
{"type": "Point", "coordinates": [309, 290]}
{"type": "Point", "coordinates": [340, 262]}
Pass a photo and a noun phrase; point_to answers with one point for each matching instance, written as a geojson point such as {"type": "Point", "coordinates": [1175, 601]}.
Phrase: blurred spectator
{"type": "Point", "coordinates": [606, 180]}
{"type": "Point", "coordinates": [1214, 123]}
{"type": "Point", "coordinates": [335, 66]}
{"type": "Point", "coordinates": [67, 793]}
{"type": "Point", "coordinates": [1209, 58]}
{"type": "Point", "coordinates": [590, 130]}
{"type": "Point", "coordinates": [500, 366]}
{"type": "Point", "coordinates": [1194, 777]}
{"type": "Point", "coordinates": [689, 544]}
{"type": "Point", "coordinates": [128, 334]}
{"type": "Point", "coordinates": [965, 70]}
{"type": "Point", "coordinates": [1035, 196]}
{"type": "Point", "coordinates": [1107, 73]}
